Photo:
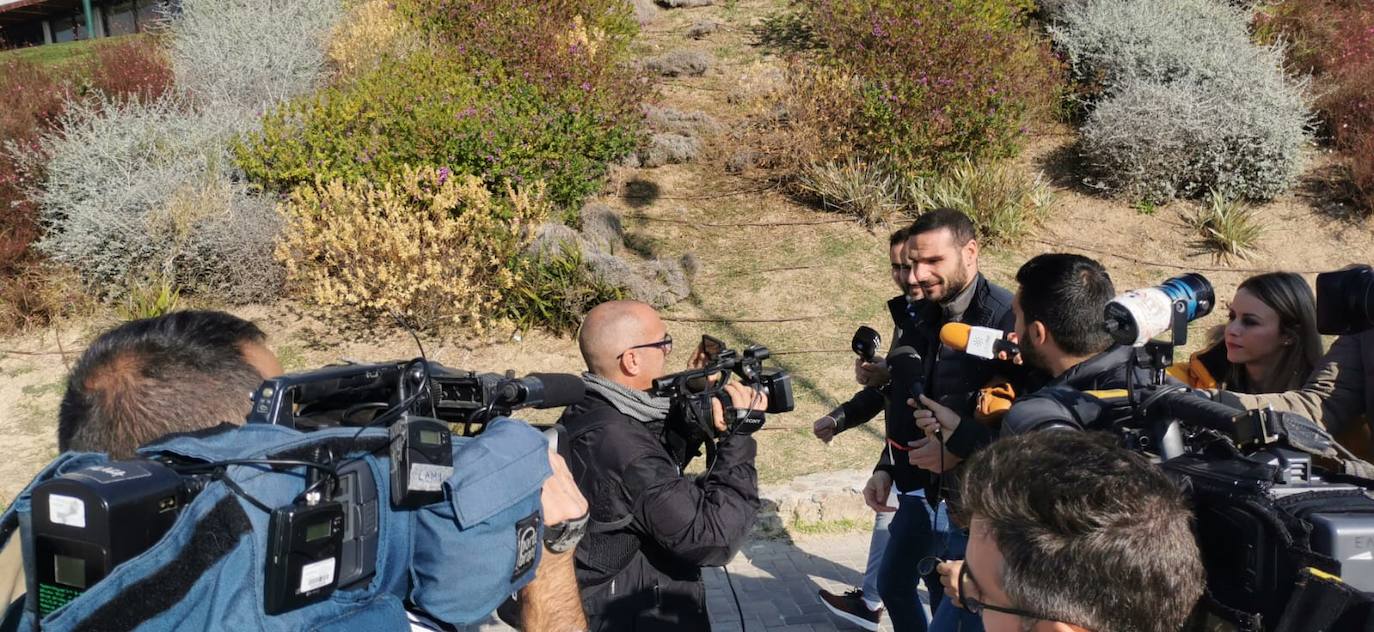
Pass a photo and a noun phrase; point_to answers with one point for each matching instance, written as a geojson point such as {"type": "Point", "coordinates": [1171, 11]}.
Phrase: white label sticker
{"type": "Point", "coordinates": [425, 477]}
{"type": "Point", "coordinates": [67, 510]}
{"type": "Point", "coordinates": [317, 575]}
{"type": "Point", "coordinates": [981, 341]}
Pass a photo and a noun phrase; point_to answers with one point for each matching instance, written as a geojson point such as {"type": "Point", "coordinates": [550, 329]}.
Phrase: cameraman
{"type": "Point", "coordinates": [1099, 539]}
{"type": "Point", "coordinates": [1060, 330]}
{"type": "Point", "coordinates": [652, 528]}
{"type": "Point", "coordinates": [1059, 327]}
{"type": "Point", "coordinates": [192, 370]}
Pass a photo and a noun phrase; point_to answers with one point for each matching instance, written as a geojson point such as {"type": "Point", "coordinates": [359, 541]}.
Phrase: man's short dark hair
{"type": "Point", "coordinates": [1067, 293]}
{"type": "Point", "coordinates": [147, 378]}
{"type": "Point", "coordinates": [959, 225]}
{"type": "Point", "coordinates": [1091, 533]}
{"type": "Point", "coordinates": [898, 236]}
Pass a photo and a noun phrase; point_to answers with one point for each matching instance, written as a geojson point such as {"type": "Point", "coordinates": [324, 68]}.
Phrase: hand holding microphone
{"type": "Point", "coordinates": [981, 342]}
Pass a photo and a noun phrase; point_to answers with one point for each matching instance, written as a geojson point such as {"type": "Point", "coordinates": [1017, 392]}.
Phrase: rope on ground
{"type": "Point", "coordinates": [32, 353]}
{"type": "Point", "coordinates": [1162, 264]}
{"type": "Point", "coordinates": [808, 351]}
{"type": "Point", "coordinates": [713, 196]}
{"type": "Point", "coordinates": [669, 220]}
{"type": "Point", "coordinates": [740, 320]}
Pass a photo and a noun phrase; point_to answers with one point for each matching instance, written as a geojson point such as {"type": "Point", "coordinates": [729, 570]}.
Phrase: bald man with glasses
{"type": "Point", "coordinates": [652, 527]}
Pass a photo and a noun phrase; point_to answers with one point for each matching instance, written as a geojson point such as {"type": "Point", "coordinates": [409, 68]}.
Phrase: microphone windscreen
{"type": "Point", "coordinates": [560, 389]}
{"type": "Point", "coordinates": [955, 335]}
{"type": "Point", "coordinates": [904, 360]}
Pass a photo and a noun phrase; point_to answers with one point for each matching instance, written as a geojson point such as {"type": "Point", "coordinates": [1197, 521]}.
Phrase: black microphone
{"type": "Point", "coordinates": [906, 367]}
{"type": "Point", "coordinates": [541, 390]}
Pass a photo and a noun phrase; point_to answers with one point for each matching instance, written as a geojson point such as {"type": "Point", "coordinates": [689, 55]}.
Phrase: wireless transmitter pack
{"type": "Point", "coordinates": [421, 460]}
{"type": "Point", "coordinates": [305, 542]}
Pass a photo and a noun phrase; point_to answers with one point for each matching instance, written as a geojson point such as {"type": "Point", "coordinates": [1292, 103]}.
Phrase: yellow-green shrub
{"type": "Point", "coordinates": [371, 32]}
{"type": "Point", "coordinates": [432, 246]}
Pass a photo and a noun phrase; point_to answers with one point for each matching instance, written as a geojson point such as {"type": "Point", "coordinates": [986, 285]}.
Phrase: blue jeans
{"type": "Point", "coordinates": [948, 617]}
{"type": "Point", "coordinates": [877, 543]}
{"type": "Point", "coordinates": [916, 532]}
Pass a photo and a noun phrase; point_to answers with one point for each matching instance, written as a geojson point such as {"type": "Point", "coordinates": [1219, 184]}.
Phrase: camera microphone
{"type": "Point", "coordinates": [980, 342]}
{"type": "Point", "coordinates": [541, 390]}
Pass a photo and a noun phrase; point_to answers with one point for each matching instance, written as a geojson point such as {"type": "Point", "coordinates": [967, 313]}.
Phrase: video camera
{"type": "Point", "coordinates": [692, 391]}
{"type": "Point", "coordinates": [1345, 301]}
{"type": "Point", "coordinates": [1279, 532]}
{"type": "Point", "coordinates": [88, 521]}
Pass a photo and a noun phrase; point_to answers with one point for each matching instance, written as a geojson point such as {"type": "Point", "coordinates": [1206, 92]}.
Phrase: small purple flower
{"type": "Point", "coordinates": [444, 174]}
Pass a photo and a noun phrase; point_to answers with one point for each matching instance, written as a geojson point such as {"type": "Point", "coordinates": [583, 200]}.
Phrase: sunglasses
{"type": "Point", "coordinates": [977, 607]}
{"type": "Point", "coordinates": [666, 345]}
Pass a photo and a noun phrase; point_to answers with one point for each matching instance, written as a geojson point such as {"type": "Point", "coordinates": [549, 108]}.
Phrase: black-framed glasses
{"type": "Point", "coordinates": [666, 345]}
{"type": "Point", "coordinates": [974, 606]}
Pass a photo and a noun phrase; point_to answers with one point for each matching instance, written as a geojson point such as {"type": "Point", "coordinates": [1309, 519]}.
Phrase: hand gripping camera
{"type": "Point", "coordinates": [692, 391]}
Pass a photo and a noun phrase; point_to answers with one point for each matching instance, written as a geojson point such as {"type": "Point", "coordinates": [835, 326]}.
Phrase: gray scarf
{"type": "Point", "coordinates": [637, 405]}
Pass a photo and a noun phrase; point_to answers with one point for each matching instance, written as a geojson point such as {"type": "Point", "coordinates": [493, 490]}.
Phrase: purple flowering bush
{"type": "Point", "coordinates": [925, 85]}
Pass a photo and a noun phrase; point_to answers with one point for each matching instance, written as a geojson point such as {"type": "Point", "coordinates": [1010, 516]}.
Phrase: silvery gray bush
{"type": "Point", "coordinates": [1157, 141]}
{"type": "Point", "coordinates": [248, 55]}
{"type": "Point", "coordinates": [1188, 103]}
{"type": "Point", "coordinates": [137, 191]}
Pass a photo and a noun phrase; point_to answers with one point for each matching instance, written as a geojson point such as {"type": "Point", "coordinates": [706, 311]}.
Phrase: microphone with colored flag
{"type": "Point", "coordinates": [981, 342]}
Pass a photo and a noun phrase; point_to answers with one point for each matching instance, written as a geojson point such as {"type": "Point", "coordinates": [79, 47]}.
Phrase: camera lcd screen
{"type": "Point", "coordinates": [70, 571]}
{"type": "Point", "coordinates": [711, 347]}
{"type": "Point", "coordinates": [431, 437]}
{"type": "Point", "coordinates": [317, 531]}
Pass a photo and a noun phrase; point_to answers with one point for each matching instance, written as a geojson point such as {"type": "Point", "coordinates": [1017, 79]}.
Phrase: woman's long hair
{"type": "Point", "coordinates": [1291, 297]}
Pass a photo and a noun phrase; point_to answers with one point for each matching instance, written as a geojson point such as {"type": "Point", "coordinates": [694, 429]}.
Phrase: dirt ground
{"type": "Point", "coordinates": [771, 271]}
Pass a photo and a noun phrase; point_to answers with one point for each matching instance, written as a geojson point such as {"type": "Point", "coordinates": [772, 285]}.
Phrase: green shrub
{"type": "Point", "coordinates": [852, 187]}
{"type": "Point", "coordinates": [934, 83]}
{"type": "Point", "coordinates": [1003, 202]}
{"type": "Point", "coordinates": [554, 290]}
{"type": "Point", "coordinates": [426, 111]}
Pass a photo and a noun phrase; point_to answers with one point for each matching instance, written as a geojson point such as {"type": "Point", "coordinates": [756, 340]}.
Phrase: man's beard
{"type": "Point", "coordinates": [955, 282]}
{"type": "Point", "coordinates": [1031, 355]}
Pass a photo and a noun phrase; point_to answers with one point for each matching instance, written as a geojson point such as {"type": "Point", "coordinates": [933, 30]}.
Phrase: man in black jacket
{"type": "Point", "coordinates": [652, 528]}
{"type": "Point", "coordinates": [943, 258]}
{"type": "Point", "coordinates": [1059, 326]}
{"type": "Point", "coordinates": [861, 606]}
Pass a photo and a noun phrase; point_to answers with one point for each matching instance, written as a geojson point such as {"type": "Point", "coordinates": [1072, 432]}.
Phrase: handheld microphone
{"type": "Point", "coordinates": [981, 342]}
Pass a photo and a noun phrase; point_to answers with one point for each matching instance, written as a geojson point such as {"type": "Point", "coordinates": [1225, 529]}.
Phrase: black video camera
{"type": "Point", "coordinates": [1345, 300]}
{"type": "Point", "coordinates": [360, 394]}
{"type": "Point", "coordinates": [692, 391]}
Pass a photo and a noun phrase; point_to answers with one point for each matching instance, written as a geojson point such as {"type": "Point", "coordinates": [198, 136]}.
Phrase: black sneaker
{"type": "Point", "coordinates": [851, 607]}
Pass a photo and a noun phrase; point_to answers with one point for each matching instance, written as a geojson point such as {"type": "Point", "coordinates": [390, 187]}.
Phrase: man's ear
{"type": "Point", "coordinates": [629, 363]}
{"type": "Point", "coordinates": [1057, 626]}
{"type": "Point", "coordinates": [1038, 333]}
{"type": "Point", "coordinates": [971, 250]}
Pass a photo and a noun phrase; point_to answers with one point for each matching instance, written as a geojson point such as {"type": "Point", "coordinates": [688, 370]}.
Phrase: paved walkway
{"type": "Point", "coordinates": [776, 582]}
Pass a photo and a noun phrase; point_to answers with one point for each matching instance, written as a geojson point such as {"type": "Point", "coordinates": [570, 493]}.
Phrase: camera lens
{"type": "Point", "coordinates": [1195, 290]}
{"type": "Point", "coordinates": [1345, 301]}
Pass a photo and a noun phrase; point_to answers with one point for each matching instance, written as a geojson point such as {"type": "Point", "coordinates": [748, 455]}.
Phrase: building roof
{"type": "Point", "coordinates": [16, 11]}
